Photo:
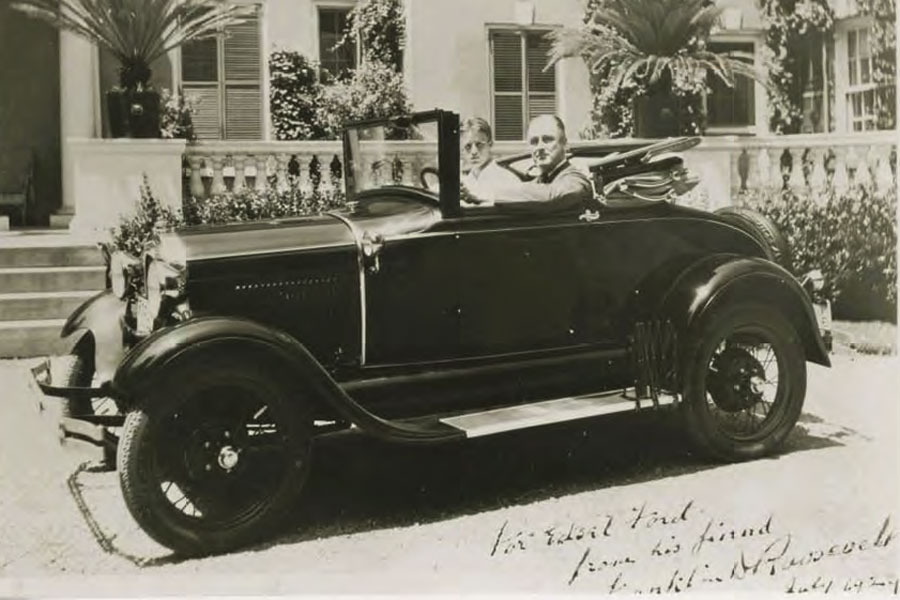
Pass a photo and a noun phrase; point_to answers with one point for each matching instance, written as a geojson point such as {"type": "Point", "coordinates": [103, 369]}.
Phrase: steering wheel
{"type": "Point", "coordinates": [430, 178]}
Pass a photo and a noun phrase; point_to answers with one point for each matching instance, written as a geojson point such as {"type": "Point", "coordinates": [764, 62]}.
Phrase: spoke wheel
{"type": "Point", "coordinates": [215, 458]}
{"type": "Point", "coordinates": [745, 379]}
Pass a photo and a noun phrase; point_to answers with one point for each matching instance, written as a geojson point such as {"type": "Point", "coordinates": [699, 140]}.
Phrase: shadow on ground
{"type": "Point", "coordinates": [358, 484]}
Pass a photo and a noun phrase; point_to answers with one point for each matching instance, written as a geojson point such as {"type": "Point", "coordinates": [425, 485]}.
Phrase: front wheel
{"type": "Point", "coordinates": [214, 456]}
{"type": "Point", "coordinates": [744, 382]}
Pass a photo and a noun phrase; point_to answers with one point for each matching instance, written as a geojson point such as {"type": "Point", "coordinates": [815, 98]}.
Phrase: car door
{"type": "Point", "coordinates": [410, 305]}
{"type": "Point", "coordinates": [519, 286]}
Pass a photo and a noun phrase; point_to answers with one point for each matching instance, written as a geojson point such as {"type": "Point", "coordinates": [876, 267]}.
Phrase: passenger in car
{"type": "Point", "coordinates": [484, 174]}
{"type": "Point", "coordinates": [558, 185]}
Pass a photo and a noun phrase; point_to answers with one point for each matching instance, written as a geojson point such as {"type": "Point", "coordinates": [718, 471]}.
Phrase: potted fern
{"type": "Point", "coordinates": [654, 52]}
{"type": "Point", "coordinates": [136, 32]}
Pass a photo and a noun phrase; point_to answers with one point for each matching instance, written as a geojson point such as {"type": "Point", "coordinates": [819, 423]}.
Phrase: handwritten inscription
{"type": "Point", "coordinates": [648, 549]}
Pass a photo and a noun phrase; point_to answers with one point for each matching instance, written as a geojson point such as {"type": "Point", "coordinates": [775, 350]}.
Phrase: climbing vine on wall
{"type": "Point", "coordinates": [790, 26]}
{"type": "Point", "coordinates": [381, 27]}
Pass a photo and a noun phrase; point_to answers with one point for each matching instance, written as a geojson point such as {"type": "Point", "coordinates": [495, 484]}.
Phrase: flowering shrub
{"type": "Point", "coordinates": [250, 205]}
{"type": "Point", "coordinates": [294, 94]}
{"type": "Point", "coordinates": [177, 116]}
{"type": "Point", "coordinates": [850, 237]}
{"type": "Point", "coordinates": [139, 232]}
{"type": "Point", "coordinates": [376, 90]}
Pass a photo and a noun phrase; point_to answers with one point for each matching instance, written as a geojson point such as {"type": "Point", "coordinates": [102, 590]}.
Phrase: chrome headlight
{"type": "Point", "coordinates": [120, 266]}
{"type": "Point", "coordinates": [163, 280]}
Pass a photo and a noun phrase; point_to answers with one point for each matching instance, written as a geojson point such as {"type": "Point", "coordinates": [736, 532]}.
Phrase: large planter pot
{"type": "Point", "coordinates": [656, 115]}
{"type": "Point", "coordinates": [133, 114]}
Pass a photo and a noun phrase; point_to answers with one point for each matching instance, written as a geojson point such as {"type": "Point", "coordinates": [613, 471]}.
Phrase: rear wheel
{"type": "Point", "coordinates": [215, 456]}
{"type": "Point", "coordinates": [744, 382]}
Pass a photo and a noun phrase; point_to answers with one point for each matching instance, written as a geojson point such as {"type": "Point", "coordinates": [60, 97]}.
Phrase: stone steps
{"type": "Point", "coordinates": [43, 278]}
{"type": "Point", "coordinates": [28, 338]}
{"type": "Point", "coordinates": [41, 305]}
{"type": "Point", "coordinates": [51, 279]}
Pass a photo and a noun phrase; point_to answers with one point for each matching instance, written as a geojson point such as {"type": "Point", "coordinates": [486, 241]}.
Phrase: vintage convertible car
{"type": "Point", "coordinates": [410, 318]}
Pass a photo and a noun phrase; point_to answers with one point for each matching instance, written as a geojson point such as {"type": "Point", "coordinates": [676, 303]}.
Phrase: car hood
{"type": "Point", "coordinates": [263, 237]}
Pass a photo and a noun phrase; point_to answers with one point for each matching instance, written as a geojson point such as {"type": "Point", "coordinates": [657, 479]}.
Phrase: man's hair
{"type": "Point", "coordinates": [477, 125]}
{"type": "Point", "coordinates": [560, 126]}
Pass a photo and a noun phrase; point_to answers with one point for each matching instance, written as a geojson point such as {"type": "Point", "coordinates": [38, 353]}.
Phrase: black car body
{"type": "Point", "coordinates": [413, 319]}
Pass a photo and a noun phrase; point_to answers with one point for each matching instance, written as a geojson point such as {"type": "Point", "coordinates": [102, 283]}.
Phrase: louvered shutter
{"type": "Point", "coordinates": [506, 50]}
{"type": "Point", "coordinates": [522, 89]}
{"type": "Point", "coordinates": [541, 83]}
{"type": "Point", "coordinates": [200, 80]}
{"type": "Point", "coordinates": [243, 92]}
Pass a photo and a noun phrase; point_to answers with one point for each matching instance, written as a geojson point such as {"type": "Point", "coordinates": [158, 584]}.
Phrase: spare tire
{"type": "Point", "coordinates": [762, 229]}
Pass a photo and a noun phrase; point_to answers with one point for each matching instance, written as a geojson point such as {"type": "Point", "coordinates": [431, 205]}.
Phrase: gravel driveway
{"type": "Point", "coordinates": [616, 504]}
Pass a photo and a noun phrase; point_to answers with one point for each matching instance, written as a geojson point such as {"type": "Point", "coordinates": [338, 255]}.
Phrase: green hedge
{"type": "Point", "coordinates": [851, 237]}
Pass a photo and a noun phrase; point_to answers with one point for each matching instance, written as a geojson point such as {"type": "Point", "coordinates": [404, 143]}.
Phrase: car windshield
{"type": "Point", "coordinates": [401, 151]}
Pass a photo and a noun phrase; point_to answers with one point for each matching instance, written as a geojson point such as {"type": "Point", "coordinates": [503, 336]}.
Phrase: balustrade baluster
{"type": "Point", "coordinates": [281, 172]}
{"type": "Point", "coordinates": [239, 175]}
{"type": "Point", "coordinates": [884, 176]}
{"type": "Point", "coordinates": [262, 174]}
{"type": "Point", "coordinates": [763, 168]}
{"type": "Point", "coordinates": [818, 177]}
{"type": "Point", "coordinates": [776, 178]}
{"type": "Point", "coordinates": [218, 178]}
{"type": "Point", "coordinates": [841, 178]}
{"type": "Point", "coordinates": [796, 179]}
{"type": "Point", "coordinates": [863, 174]}
{"type": "Point", "coordinates": [197, 189]}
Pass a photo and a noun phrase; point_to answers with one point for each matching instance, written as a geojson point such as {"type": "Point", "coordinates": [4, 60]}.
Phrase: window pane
{"type": "Point", "coordinates": [865, 75]}
{"type": "Point", "coordinates": [199, 60]}
{"type": "Point", "coordinates": [242, 52]}
{"type": "Point", "coordinates": [854, 79]}
{"type": "Point", "coordinates": [731, 106]}
{"type": "Point", "coordinates": [851, 44]}
{"type": "Point", "coordinates": [508, 117]}
{"type": "Point", "coordinates": [536, 48]}
{"type": "Point", "coordinates": [332, 25]}
{"type": "Point", "coordinates": [507, 51]}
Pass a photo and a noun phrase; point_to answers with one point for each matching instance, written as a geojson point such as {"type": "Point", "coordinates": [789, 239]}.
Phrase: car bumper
{"type": "Point", "coordinates": [73, 431]}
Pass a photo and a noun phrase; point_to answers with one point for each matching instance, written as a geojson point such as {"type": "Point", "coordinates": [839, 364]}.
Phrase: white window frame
{"type": "Point", "coordinates": [316, 28]}
{"type": "Point", "coordinates": [868, 121]}
{"type": "Point", "coordinates": [263, 81]}
{"type": "Point", "coordinates": [524, 29]}
{"type": "Point", "coordinates": [760, 119]}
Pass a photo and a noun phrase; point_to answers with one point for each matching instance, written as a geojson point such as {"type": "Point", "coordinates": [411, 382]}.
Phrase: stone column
{"type": "Point", "coordinates": [79, 100]}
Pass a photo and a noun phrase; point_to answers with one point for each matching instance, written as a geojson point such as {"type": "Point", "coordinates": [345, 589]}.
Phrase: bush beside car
{"type": "Point", "coordinates": [851, 237]}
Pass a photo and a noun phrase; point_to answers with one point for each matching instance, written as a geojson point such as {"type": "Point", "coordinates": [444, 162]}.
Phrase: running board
{"type": "Point", "coordinates": [550, 411]}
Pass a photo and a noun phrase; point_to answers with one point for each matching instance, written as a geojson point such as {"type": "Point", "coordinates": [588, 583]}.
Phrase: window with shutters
{"type": "Point", "coordinates": [521, 88]}
{"type": "Point", "coordinates": [225, 74]}
{"type": "Point", "coordinates": [334, 62]}
{"type": "Point", "coordinates": [731, 106]}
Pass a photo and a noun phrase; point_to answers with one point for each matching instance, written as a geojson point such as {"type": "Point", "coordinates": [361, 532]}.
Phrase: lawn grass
{"type": "Point", "coordinates": [868, 337]}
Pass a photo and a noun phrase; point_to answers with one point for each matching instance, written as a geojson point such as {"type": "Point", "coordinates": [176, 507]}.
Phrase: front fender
{"type": "Point", "coordinates": [100, 316]}
{"type": "Point", "coordinates": [713, 280]}
{"type": "Point", "coordinates": [147, 362]}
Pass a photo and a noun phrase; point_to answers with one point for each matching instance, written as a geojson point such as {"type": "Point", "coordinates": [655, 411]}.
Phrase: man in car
{"type": "Point", "coordinates": [484, 174]}
{"type": "Point", "coordinates": [558, 185]}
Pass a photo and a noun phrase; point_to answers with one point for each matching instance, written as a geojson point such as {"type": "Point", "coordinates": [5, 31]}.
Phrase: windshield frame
{"type": "Point", "coordinates": [448, 153]}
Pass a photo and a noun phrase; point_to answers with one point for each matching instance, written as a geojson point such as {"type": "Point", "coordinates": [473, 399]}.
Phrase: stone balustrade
{"type": "Point", "coordinates": [726, 165]}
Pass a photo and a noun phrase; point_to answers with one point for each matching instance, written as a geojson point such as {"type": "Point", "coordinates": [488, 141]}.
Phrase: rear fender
{"type": "Point", "coordinates": [99, 317]}
{"type": "Point", "coordinates": [191, 340]}
{"type": "Point", "coordinates": [722, 278]}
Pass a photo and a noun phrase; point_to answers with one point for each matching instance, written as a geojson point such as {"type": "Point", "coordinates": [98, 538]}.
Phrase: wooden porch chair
{"type": "Point", "coordinates": [17, 180]}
